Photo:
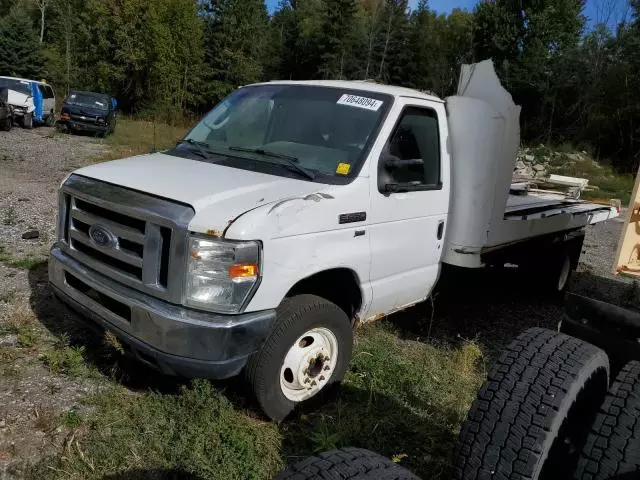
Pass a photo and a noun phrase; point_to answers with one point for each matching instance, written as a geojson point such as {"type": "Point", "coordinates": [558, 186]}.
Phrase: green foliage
{"type": "Point", "coordinates": [27, 263]}
{"type": "Point", "coordinates": [66, 359]}
{"type": "Point", "coordinates": [164, 58]}
{"type": "Point", "coordinates": [71, 419]}
{"type": "Point", "coordinates": [402, 398]}
{"type": "Point", "coordinates": [20, 49]}
{"type": "Point", "coordinates": [195, 431]}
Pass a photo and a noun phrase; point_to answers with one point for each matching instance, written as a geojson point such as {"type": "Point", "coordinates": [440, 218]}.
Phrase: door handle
{"type": "Point", "coordinates": [440, 229]}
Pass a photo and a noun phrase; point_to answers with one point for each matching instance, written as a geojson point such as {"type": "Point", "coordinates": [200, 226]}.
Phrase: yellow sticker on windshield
{"type": "Point", "coordinates": [343, 168]}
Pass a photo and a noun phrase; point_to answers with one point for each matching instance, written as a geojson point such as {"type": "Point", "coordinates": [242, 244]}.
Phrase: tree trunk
{"type": "Point", "coordinates": [42, 8]}
{"type": "Point", "coordinates": [371, 37]}
{"type": "Point", "coordinates": [386, 45]}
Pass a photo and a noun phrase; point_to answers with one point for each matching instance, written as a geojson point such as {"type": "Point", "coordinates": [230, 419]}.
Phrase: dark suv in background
{"type": "Point", "coordinates": [88, 112]}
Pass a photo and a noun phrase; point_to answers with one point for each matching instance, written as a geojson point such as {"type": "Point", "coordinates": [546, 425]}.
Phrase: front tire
{"type": "Point", "coordinates": [307, 352]}
{"type": "Point", "coordinates": [50, 120]}
{"type": "Point", "coordinates": [8, 124]}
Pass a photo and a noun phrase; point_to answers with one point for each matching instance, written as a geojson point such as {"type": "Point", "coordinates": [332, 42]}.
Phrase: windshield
{"type": "Point", "coordinates": [21, 86]}
{"type": "Point", "coordinates": [325, 131]}
{"type": "Point", "coordinates": [86, 100]}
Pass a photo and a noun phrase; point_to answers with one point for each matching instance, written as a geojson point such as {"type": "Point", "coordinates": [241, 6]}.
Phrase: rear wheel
{"type": "Point", "coordinates": [613, 446]}
{"type": "Point", "coordinates": [528, 419]}
{"type": "Point", "coordinates": [307, 351]}
{"type": "Point", "coordinates": [346, 464]}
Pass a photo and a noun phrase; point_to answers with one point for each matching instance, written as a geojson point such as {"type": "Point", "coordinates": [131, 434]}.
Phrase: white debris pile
{"type": "Point", "coordinates": [535, 163]}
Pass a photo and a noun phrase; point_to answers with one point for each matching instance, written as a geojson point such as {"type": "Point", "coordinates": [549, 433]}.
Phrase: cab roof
{"type": "Point", "coordinates": [24, 79]}
{"type": "Point", "coordinates": [360, 85]}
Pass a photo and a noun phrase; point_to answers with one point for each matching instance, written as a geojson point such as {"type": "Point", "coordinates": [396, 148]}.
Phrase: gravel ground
{"type": "Point", "coordinates": [490, 308]}
{"type": "Point", "coordinates": [32, 165]}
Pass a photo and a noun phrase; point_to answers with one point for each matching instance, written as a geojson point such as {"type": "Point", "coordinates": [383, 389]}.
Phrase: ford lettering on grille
{"type": "Point", "coordinates": [101, 237]}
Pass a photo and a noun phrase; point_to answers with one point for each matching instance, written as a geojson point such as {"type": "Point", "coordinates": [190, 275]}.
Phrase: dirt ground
{"type": "Point", "coordinates": [38, 399]}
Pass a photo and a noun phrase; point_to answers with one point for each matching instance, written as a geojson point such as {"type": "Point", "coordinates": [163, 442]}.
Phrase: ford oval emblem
{"type": "Point", "coordinates": [101, 237]}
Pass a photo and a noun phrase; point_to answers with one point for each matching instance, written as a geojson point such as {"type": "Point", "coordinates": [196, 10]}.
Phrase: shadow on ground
{"type": "Point", "coordinates": [419, 439]}
{"type": "Point", "coordinates": [64, 323]}
{"type": "Point", "coordinates": [489, 306]}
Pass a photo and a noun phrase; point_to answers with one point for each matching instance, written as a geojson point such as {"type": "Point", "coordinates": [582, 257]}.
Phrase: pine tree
{"type": "Point", "coordinates": [336, 46]}
{"type": "Point", "coordinates": [20, 49]}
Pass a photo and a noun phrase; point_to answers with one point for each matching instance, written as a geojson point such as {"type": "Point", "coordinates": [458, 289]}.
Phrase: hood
{"type": "Point", "coordinates": [18, 99]}
{"type": "Point", "coordinates": [83, 110]}
{"type": "Point", "coordinates": [217, 193]}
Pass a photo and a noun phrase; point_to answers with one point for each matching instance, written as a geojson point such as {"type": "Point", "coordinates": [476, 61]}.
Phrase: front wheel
{"type": "Point", "coordinates": [50, 121]}
{"type": "Point", "coordinates": [8, 124]}
{"type": "Point", "coordinates": [307, 351]}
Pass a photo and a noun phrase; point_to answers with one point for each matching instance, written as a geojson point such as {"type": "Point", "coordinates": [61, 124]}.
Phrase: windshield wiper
{"type": "Point", "coordinates": [199, 148]}
{"type": "Point", "coordinates": [292, 162]}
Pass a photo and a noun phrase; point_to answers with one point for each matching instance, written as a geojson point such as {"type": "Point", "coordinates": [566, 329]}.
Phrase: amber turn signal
{"type": "Point", "coordinates": [243, 270]}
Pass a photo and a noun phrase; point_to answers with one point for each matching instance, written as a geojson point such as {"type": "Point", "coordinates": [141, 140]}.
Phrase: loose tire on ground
{"type": "Point", "coordinates": [613, 446]}
{"type": "Point", "coordinates": [346, 464]}
{"type": "Point", "coordinates": [301, 321]}
{"type": "Point", "coordinates": [526, 422]}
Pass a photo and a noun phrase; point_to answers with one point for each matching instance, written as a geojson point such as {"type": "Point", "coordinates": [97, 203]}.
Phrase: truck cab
{"type": "Point", "coordinates": [290, 213]}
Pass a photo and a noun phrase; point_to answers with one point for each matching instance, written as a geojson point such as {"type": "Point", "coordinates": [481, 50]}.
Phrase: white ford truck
{"type": "Point", "coordinates": [295, 210]}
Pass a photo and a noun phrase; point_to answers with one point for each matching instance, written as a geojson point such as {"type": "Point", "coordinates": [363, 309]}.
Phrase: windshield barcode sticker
{"type": "Point", "coordinates": [360, 102]}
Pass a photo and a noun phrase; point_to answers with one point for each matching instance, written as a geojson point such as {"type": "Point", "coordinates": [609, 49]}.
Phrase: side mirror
{"type": "Point", "coordinates": [387, 164]}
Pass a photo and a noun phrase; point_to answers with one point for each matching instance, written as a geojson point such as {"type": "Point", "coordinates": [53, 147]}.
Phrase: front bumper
{"type": "Point", "coordinates": [84, 127]}
{"type": "Point", "coordinates": [167, 337]}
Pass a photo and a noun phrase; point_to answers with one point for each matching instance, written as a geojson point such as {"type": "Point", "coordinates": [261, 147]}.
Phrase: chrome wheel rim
{"type": "Point", "coordinates": [309, 364]}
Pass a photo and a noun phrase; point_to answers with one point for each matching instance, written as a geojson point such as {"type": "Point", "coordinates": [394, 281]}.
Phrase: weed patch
{"type": "Point", "coordinates": [70, 419]}
{"type": "Point", "coordinates": [401, 398]}
{"type": "Point", "coordinates": [196, 431]}
{"type": "Point", "coordinates": [67, 359]}
{"type": "Point", "coordinates": [27, 263]}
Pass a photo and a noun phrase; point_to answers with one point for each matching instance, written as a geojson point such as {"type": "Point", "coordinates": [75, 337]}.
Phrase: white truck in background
{"type": "Point", "coordinates": [32, 101]}
{"type": "Point", "coordinates": [295, 210]}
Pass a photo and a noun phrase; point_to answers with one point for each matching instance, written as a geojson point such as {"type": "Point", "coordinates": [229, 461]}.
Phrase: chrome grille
{"type": "Point", "coordinates": [147, 235]}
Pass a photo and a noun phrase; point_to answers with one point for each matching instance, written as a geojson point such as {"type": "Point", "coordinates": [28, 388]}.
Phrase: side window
{"type": "Point", "coordinates": [413, 152]}
{"type": "Point", "coordinates": [48, 92]}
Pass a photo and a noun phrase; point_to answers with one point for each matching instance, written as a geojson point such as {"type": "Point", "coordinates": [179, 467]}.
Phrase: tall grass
{"type": "Point", "coordinates": [134, 137]}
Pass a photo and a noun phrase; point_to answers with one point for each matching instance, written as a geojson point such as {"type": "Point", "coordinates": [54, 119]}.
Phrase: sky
{"type": "Point", "coordinates": [594, 9]}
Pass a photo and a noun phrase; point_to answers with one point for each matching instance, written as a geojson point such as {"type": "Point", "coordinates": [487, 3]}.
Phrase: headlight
{"type": "Point", "coordinates": [101, 120]}
{"type": "Point", "coordinates": [221, 274]}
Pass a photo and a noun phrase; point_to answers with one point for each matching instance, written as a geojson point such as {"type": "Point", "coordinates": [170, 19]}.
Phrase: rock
{"type": "Point", "coordinates": [10, 340]}
{"type": "Point", "coordinates": [520, 165]}
{"type": "Point", "coordinates": [576, 157]}
{"type": "Point", "coordinates": [538, 167]}
{"type": "Point", "coordinates": [31, 234]}
{"type": "Point", "coordinates": [529, 158]}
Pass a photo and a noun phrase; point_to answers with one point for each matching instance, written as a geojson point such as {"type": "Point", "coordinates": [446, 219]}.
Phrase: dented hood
{"type": "Point", "coordinates": [217, 193]}
{"type": "Point", "coordinates": [19, 99]}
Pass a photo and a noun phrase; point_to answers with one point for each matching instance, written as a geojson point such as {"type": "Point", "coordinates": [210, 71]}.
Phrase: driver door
{"type": "Point", "coordinates": [409, 206]}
